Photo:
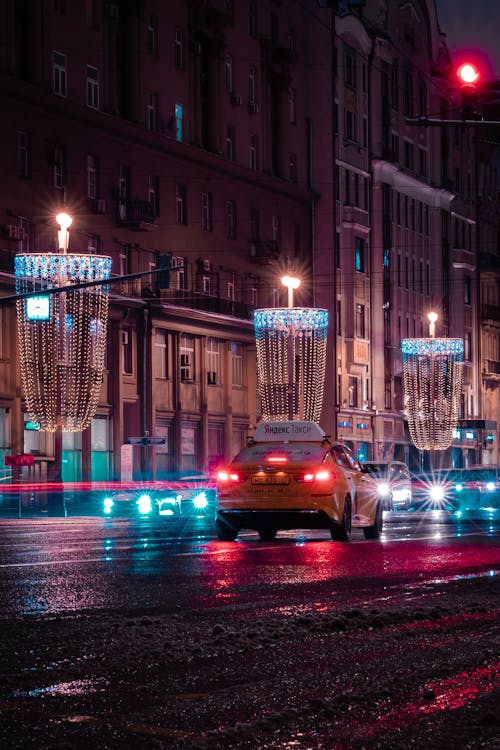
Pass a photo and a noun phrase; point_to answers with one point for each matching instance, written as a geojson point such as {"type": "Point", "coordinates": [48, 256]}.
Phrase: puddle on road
{"type": "Point", "coordinates": [75, 687]}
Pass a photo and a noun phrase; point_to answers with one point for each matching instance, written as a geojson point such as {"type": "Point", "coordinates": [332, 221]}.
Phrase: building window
{"type": "Point", "coordinates": [154, 194]}
{"type": "Point", "coordinates": [292, 98]}
{"type": "Point", "coordinates": [353, 391]}
{"type": "Point", "coordinates": [237, 363]}
{"type": "Point", "coordinates": [407, 93]}
{"type": "Point", "coordinates": [152, 32]}
{"type": "Point", "coordinates": [59, 73]}
{"type": "Point", "coordinates": [276, 229]}
{"type": "Point", "coordinates": [126, 351]}
{"type": "Point", "coordinates": [152, 112]}
{"type": "Point", "coordinates": [254, 225]}
{"type": "Point", "coordinates": [347, 187]}
{"type": "Point", "coordinates": [252, 18]}
{"type": "Point", "coordinates": [349, 125]}
{"type": "Point", "coordinates": [181, 204]}
{"type": "Point", "coordinates": [91, 176]}
{"type": "Point", "coordinates": [230, 289]}
{"type": "Point", "coordinates": [293, 167]}
{"type": "Point", "coordinates": [253, 151]}
{"type": "Point", "coordinates": [179, 49]}
{"type": "Point", "coordinates": [349, 66]}
{"type": "Point", "coordinates": [408, 155]}
{"type": "Point", "coordinates": [206, 212]}
{"type": "Point", "coordinates": [59, 167]}
{"type": "Point", "coordinates": [468, 346]}
{"type": "Point", "coordinates": [160, 353]}
{"type": "Point", "coordinates": [93, 243]}
{"type": "Point", "coordinates": [26, 230]}
{"type": "Point", "coordinates": [467, 290]}
{"type": "Point", "coordinates": [23, 154]}
{"type": "Point", "coordinates": [395, 84]}
{"type": "Point", "coordinates": [359, 254]}
{"type": "Point", "coordinates": [179, 118]}
{"type": "Point", "coordinates": [101, 448]}
{"type": "Point", "coordinates": [92, 87]}
{"type": "Point", "coordinates": [252, 90]}
{"type": "Point", "coordinates": [229, 73]}
{"type": "Point", "coordinates": [360, 321]}
{"type": "Point", "coordinates": [231, 220]}
{"type": "Point", "coordinates": [213, 361]}
{"type": "Point", "coordinates": [230, 143]}
{"type": "Point", "coordinates": [186, 352]}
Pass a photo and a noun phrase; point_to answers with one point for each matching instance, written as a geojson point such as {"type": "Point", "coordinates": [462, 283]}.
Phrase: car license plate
{"type": "Point", "coordinates": [271, 479]}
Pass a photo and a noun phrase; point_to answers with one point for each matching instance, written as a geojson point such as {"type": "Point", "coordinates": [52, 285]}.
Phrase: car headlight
{"type": "Point", "coordinates": [490, 486]}
{"type": "Point", "coordinates": [200, 500]}
{"type": "Point", "coordinates": [383, 489]}
{"type": "Point", "coordinates": [436, 493]}
{"type": "Point", "coordinates": [108, 504]}
{"type": "Point", "coordinates": [144, 504]}
{"type": "Point", "coordinates": [459, 487]}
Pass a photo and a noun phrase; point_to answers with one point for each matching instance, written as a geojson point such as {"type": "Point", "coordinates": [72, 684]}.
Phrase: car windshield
{"type": "Point", "coordinates": [291, 453]}
{"type": "Point", "coordinates": [376, 468]}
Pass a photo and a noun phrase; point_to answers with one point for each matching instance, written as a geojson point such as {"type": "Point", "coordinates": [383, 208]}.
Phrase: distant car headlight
{"type": "Point", "coordinates": [459, 487]}
{"type": "Point", "coordinates": [144, 504]}
{"type": "Point", "coordinates": [490, 486]}
{"type": "Point", "coordinates": [383, 489]}
{"type": "Point", "coordinates": [436, 493]}
{"type": "Point", "coordinates": [200, 500]}
{"type": "Point", "coordinates": [108, 504]}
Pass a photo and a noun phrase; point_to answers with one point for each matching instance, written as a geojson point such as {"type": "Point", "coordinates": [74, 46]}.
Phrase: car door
{"type": "Point", "coordinates": [366, 487]}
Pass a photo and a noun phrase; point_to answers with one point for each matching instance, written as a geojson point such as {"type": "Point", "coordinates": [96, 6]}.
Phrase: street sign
{"type": "Point", "coordinates": [146, 440]}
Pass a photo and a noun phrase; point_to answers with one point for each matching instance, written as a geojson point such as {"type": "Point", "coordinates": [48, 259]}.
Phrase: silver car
{"type": "Point", "coordinates": [393, 481]}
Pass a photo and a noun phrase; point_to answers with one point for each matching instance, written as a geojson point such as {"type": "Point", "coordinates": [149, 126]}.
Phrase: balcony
{"type": "Point", "coordinates": [491, 373]}
{"type": "Point", "coordinates": [207, 303]}
{"type": "Point", "coordinates": [264, 251]}
{"type": "Point", "coordinates": [137, 215]}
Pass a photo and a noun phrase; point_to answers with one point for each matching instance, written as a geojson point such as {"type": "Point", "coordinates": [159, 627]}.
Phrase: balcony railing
{"type": "Point", "coordinates": [136, 214]}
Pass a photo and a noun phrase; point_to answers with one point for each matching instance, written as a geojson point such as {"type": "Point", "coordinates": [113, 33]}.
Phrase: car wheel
{"type": "Point", "coordinates": [225, 532]}
{"type": "Point", "coordinates": [341, 532]}
{"type": "Point", "coordinates": [267, 535]}
{"type": "Point", "coordinates": [374, 532]}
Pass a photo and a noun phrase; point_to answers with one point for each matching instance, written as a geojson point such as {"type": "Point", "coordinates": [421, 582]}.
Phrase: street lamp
{"type": "Point", "coordinates": [432, 377]}
{"type": "Point", "coordinates": [291, 282]}
{"type": "Point", "coordinates": [432, 317]}
{"type": "Point", "coordinates": [62, 333]}
{"type": "Point", "coordinates": [291, 358]}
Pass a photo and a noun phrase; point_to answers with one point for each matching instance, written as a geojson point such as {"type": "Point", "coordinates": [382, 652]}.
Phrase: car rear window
{"type": "Point", "coordinates": [292, 452]}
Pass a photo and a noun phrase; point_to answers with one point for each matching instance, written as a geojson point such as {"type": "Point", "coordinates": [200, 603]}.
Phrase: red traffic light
{"type": "Point", "coordinates": [468, 74]}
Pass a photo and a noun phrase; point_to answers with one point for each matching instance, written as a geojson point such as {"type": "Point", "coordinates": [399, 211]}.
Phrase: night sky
{"type": "Point", "coordinates": [472, 25]}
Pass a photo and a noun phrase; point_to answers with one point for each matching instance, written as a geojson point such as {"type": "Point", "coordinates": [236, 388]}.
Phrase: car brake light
{"type": "Point", "coordinates": [277, 459]}
{"type": "Point", "coordinates": [322, 475]}
{"type": "Point", "coordinates": [228, 476]}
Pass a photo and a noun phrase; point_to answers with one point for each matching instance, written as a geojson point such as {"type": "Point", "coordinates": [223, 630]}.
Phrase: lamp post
{"type": "Point", "coordinates": [62, 333]}
{"type": "Point", "coordinates": [291, 282]}
{"type": "Point", "coordinates": [432, 376]}
{"type": "Point", "coordinates": [291, 358]}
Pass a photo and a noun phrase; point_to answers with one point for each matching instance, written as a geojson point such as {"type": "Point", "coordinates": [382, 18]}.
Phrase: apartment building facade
{"type": "Point", "coordinates": [245, 139]}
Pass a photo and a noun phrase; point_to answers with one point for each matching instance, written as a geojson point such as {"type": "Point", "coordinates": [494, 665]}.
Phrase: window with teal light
{"type": "Point", "coordinates": [178, 122]}
{"type": "Point", "coordinates": [359, 262]}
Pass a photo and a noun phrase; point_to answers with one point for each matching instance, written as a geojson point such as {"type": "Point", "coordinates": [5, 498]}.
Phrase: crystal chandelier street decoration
{"type": "Point", "coordinates": [432, 373]}
{"type": "Point", "coordinates": [62, 335]}
{"type": "Point", "coordinates": [291, 359]}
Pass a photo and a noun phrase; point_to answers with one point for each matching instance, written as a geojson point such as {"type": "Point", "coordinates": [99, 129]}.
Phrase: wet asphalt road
{"type": "Point", "coordinates": [55, 565]}
{"type": "Point", "coordinates": [147, 633]}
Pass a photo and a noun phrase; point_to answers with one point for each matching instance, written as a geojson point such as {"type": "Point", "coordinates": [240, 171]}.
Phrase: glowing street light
{"type": "Point", "coordinates": [432, 316]}
{"type": "Point", "coordinates": [64, 221]}
{"type": "Point", "coordinates": [62, 334]}
{"type": "Point", "coordinates": [291, 282]}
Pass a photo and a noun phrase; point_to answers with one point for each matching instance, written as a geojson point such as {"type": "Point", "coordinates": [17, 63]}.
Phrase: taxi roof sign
{"type": "Point", "coordinates": [296, 430]}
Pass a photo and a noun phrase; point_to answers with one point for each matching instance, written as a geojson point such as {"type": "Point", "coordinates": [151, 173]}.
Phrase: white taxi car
{"type": "Point", "coordinates": [291, 476]}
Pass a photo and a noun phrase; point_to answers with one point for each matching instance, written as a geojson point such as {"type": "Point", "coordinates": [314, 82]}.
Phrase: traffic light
{"type": "Point", "coordinates": [469, 79]}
